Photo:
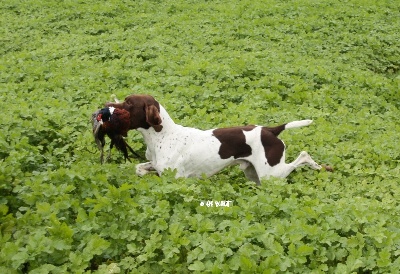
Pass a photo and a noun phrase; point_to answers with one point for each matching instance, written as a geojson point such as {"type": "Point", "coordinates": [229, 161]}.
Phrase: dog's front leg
{"type": "Point", "coordinates": [145, 168]}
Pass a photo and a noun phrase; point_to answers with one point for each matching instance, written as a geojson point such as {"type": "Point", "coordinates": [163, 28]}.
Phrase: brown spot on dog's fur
{"type": "Point", "coordinates": [273, 147]}
{"type": "Point", "coordinates": [153, 117]}
{"type": "Point", "coordinates": [276, 130]}
{"type": "Point", "coordinates": [233, 142]}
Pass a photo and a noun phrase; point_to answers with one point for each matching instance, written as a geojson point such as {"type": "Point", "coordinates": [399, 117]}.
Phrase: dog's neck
{"type": "Point", "coordinates": [167, 124]}
{"type": "Point", "coordinates": [166, 120]}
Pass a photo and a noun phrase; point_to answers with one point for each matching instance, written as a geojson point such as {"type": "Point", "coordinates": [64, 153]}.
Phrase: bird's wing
{"type": "Point", "coordinates": [120, 121]}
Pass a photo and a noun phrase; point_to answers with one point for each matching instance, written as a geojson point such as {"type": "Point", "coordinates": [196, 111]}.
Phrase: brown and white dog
{"type": "Point", "coordinates": [194, 152]}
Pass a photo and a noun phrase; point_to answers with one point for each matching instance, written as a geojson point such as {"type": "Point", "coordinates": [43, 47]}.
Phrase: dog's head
{"type": "Point", "coordinates": [144, 111]}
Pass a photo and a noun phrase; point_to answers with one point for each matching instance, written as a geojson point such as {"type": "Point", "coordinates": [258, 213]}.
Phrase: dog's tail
{"type": "Point", "coordinates": [277, 130]}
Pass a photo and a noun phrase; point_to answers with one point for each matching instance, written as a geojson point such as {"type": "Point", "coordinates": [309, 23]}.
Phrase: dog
{"type": "Point", "coordinates": [193, 152]}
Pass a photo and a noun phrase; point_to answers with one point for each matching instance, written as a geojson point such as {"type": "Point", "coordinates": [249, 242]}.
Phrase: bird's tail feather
{"type": "Point", "coordinates": [123, 146]}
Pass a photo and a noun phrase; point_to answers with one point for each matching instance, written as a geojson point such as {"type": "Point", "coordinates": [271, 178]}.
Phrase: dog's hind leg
{"type": "Point", "coordinates": [303, 159]}
{"type": "Point", "coordinates": [250, 171]}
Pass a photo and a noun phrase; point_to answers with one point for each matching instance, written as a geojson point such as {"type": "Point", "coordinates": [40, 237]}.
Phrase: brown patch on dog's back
{"type": "Point", "coordinates": [233, 142]}
{"type": "Point", "coordinates": [273, 147]}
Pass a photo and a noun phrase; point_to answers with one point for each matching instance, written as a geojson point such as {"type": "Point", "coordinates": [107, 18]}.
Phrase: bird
{"type": "Point", "coordinates": [115, 123]}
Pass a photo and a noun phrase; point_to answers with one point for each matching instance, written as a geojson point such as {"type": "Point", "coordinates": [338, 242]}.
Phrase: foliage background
{"type": "Point", "coordinates": [211, 64]}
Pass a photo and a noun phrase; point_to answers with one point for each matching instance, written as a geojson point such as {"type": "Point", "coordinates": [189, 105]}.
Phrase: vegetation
{"type": "Point", "coordinates": [211, 64]}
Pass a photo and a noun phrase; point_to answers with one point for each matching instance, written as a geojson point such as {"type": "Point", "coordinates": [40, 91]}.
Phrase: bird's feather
{"type": "Point", "coordinates": [116, 128]}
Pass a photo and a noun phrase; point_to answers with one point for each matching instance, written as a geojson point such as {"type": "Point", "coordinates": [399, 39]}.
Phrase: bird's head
{"type": "Point", "coordinates": [104, 114]}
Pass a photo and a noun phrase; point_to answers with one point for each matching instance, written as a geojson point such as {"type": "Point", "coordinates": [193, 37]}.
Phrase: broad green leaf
{"type": "Point", "coordinates": [196, 266]}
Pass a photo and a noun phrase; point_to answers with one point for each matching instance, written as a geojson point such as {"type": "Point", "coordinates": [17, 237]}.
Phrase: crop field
{"type": "Point", "coordinates": [210, 64]}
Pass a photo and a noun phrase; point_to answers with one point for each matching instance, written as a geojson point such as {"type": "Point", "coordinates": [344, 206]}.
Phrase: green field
{"type": "Point", "coordinates": [210, 64]}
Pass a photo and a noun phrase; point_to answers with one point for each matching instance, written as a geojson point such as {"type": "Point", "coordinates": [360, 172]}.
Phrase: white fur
{"type": "Point", "coordinates": [295, 124]}
{"type": "Point", "coordinates": [193, 152]}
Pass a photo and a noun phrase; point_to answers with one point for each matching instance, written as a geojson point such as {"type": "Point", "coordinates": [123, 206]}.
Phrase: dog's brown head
{"type": "Point", "coordinates": [144, 111]}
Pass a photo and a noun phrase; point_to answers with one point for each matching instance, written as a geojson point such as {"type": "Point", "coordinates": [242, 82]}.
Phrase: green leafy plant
{"type": "Point", "coordinates": [211, 64]}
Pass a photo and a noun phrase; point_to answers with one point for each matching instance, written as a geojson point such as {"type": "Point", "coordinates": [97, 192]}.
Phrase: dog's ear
{"type": "Point", "coordinates": [153, 117]}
